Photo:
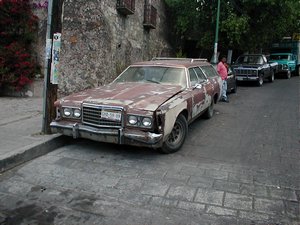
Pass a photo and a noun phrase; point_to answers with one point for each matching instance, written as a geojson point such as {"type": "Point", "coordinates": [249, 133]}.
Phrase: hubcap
{"type": "Point", "coordinates": [176, 134]}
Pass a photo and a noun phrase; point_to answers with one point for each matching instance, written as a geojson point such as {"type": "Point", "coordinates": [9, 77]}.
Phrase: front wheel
{"type": "Point", "coordinates": [260, 80]}
{"type": "Point", "coordinates": [272, 77]}
{"type": "Point", "coordinates": [176, 137]}
{"type": "Point", "coordinates": [288, 74]}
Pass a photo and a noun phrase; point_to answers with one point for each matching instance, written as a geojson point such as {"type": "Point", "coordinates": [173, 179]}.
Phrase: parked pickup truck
{"type": "Point", "coordinates": [254, 67]}
{"type": "Point", "coordinates": [286, 63]}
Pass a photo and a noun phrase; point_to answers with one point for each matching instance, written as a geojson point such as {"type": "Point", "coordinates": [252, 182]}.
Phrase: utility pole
{"type": "Point", "coordinates": [50, 90]}
{"type": "Point", "coordinates": [214, 59]}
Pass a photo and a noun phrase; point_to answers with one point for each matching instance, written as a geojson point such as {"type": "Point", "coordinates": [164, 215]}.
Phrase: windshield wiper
{"type": "Point", "coordinates": [153, 81]}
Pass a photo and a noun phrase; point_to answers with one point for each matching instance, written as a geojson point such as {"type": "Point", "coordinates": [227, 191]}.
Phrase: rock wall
{"type": "Point", "coordinates": [98, 42]}
{"type": "Point", "coordinates": [39, 8]}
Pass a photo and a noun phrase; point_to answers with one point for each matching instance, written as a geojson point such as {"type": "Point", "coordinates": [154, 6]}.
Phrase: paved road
{"type": "Point", "coordinates": [240, 167]}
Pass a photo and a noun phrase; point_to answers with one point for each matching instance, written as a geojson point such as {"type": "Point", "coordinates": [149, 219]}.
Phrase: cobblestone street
{"type": "Point", "coordinates": [240, 167]}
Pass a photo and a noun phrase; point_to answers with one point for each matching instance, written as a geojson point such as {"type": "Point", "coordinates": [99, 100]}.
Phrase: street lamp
{"type": "Point", "coordinates": [214, 59]}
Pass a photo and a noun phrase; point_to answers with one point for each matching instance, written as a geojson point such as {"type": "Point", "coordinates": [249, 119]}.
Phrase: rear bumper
{"type": "Point", "coordinates": [108, 135]}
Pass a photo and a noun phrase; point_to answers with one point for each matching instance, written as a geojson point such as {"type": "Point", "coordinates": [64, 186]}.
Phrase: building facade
{"type": "Point", "coordinates": [100, 38]}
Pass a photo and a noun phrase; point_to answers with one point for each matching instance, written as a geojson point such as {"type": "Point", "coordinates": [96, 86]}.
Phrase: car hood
{"type": "Point", "coordinates": [246, 66]}
{"type": "Point", "coordinates": [281, 61]}
{"type": "Point", "coordinates": [139, 96]}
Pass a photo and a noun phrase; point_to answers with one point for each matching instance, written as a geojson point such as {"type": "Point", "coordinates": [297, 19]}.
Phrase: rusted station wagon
{"type": "Point", "coordinates": [149, 104]}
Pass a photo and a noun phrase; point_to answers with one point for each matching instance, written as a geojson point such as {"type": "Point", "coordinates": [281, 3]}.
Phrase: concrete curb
{"type": "Point", "coordinates": [32, 151]}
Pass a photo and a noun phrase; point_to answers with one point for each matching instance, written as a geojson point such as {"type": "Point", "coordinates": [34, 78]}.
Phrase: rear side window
{"type": "Point", "coordinates": [209, 71]}
{"type": "Point", "coordinates": [200, 74]}
{"type": "Point", "coordinates": [193, 77]}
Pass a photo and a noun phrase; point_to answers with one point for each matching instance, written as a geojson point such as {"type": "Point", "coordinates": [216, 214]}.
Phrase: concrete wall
{"type": "Point", "coordinates": [98, 42]}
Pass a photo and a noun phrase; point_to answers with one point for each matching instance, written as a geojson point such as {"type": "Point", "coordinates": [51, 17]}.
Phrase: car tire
{"type": "Point", "coordinates": [260, 80]}
{"type": "Point", "coordinates": [288, 75]}
{"type": "Point", "coordinates": [176, 137]}
{"type": "Point", "coordinates": [234, 90]}
{"type": "Point", "coordinates": [272, 77]}
{"type": "Point", "coordinates": [210, 110]}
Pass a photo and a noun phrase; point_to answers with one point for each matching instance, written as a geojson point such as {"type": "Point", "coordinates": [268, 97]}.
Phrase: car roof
{"type": "Point", "coordinates": [284, 53]}
{"type": "Point", "coordinates": [173, 62]}
{"type": "Point", "coordinates": [252, 55]}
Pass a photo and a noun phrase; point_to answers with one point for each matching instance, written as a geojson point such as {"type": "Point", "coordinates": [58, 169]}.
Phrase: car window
{"type": "Point", "coordinates": [209, 71]}
{"type": "Point", "coordinates": [250, 59]}
{"type": "Point", "coordinates": [200, 74]}
{"type": "Point", "coordinates": [193, 77]}
{"type": "Point", "coordinates": [153, 74]}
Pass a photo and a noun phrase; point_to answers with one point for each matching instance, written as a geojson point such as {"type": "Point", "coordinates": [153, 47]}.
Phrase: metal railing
{"type": "Point", "coordinates": [126, 7]}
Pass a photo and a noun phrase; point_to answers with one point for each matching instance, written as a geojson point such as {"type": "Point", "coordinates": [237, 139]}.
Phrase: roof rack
{"type": "Point", "coordinates": [181, 59]}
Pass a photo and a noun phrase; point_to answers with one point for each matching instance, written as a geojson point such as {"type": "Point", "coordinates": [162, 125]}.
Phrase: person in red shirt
{"type": "Point", "coordinates": [222, 69]}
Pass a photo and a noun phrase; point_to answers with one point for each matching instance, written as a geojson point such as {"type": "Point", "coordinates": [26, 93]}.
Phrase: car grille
{"type": "Point", "coordinates": [245, 72]}
{"type": "Point", "coordinates": [92, 115]}
{"type": "Point", "coordinates": [280, 67]}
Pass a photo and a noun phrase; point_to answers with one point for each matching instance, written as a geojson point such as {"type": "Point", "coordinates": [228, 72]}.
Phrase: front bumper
{"type": "Point", "coordinates": [283, 70]}
{"type": "Point", "coordinates": [109, 135]}
{"type": "Point", "coordinates": [246, 78]}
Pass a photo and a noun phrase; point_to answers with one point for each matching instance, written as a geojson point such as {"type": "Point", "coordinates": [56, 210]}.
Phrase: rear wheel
{"type": "Point", "coordinates": [177, 136]}
{"type": "Point", "coordinates": [210, 110]}
{"type": "Point", "coordinates": [234, 87]}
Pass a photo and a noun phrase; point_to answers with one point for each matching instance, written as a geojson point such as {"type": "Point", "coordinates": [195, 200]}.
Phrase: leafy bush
{"type": "Point", "coordinates": [18, 28]}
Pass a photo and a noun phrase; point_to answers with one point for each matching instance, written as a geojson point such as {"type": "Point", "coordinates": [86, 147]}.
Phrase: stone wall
{"type": "Point", "coordinates": [39, 8]}
{"type": "Point", "coordinates": [98, 42]}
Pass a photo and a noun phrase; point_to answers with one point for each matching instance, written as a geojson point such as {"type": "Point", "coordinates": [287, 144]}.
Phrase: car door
{"type": "Point", "coordinates": [266, 66]}
{"type": "Point", "coordinates": [293, 62]}
{"type": "Point", "coordinates": [197, 92]}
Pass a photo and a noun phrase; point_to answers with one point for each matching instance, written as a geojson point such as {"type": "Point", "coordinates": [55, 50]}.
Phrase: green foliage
{"type": "Point", "coordinates": [180, 54]}
{"type": "Point", "coordinates": [18, 30]}
{"type": "Point", "coordinates": [247, 25]}
{"type": "Point", "coordinates": [234, 26]}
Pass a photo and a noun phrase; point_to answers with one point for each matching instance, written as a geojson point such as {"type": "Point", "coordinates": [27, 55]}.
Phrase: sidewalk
{"type": "Point", "coordinates": [20, 131]}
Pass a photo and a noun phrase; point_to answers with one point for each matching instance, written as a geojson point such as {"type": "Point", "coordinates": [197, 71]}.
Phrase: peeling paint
{"type": "Point", "coordinates": [162, 102]}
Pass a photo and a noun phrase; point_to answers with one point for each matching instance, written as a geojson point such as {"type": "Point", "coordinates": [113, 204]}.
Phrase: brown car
{"type": "Point", "coordinates": [149, 104]}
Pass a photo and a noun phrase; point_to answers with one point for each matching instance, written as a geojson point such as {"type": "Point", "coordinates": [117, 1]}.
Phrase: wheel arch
{"type": "Point", "coordinates": [216, 98]}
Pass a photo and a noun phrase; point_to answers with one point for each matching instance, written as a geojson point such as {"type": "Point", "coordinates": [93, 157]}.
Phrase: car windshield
{"type": "Point", "coordinates": [279, 57]}
{"type": "Point", "coordinates": [154, 74]}
{"type": "Point", "coordinates": [250, 59]}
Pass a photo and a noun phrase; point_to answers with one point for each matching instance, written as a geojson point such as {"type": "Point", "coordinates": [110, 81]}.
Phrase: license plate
{"type": "Point", "coordinates": [115, 116]}
{"type": "Point", "coordinates": [240, 78]}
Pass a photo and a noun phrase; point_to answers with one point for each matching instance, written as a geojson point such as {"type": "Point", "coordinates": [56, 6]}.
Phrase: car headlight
{"type": "Point", "coordinates": [284, 66]}
{"type": "Point", "coordinates": [132, 120]}
{"type": "Point", "coordinates": [77, 113]}
{"type": "Point", "coordinates": [67, 112]}
{"type": "Point", "coordinates": [147, 122]}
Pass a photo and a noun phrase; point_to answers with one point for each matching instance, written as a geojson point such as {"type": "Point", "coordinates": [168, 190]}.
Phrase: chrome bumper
{"type": "Point", "coordinates": [247, 78]}
{"type": "Point", "coordinates": [109, 135]}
